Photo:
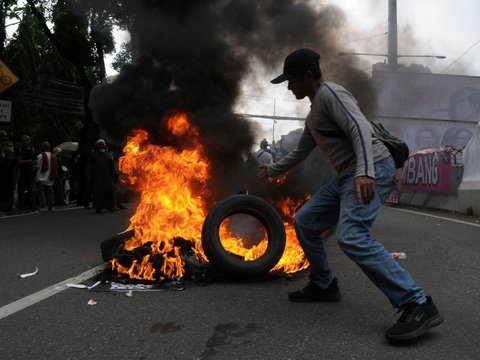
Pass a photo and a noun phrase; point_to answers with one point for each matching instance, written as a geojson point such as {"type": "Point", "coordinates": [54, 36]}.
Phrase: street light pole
{"type": "Point", "coordinates": [392, 34]}
{"type": "Point", "coordinates": [392, 54]}
{"type": "Point", "coordinates": [274, 121]}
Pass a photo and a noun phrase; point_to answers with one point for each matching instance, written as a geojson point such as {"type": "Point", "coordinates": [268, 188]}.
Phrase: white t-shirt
{"type": "Point", "coordinates": [43, 177]}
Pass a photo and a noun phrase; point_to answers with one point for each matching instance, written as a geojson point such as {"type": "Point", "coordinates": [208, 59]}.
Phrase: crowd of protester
{"type": "Point", "coordinates": [268, 153]}
{"type": "Point", "coordinates": [44, 178]}
{"type": "Point", "coordinates": [36, 177]}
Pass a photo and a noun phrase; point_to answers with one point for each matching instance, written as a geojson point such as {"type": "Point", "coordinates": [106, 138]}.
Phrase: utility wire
{"type": "Point", "coordinates": [269, 97]}
{"type": "Point", "coordinates": [27, 75]}
{"type": "Point", "coordinates": [56, 95]}
{"type": "Point", "coordinates": [461, 56]}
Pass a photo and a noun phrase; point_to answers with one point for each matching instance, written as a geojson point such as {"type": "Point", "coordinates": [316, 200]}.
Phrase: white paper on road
{"type": "Point", "coordinates": [398, 255]}
{"type": "Point", "coordinates": [76, 286]}
{"type": "Point", "coordinates": [51, 290]}
{"type": "Point", "coordinates": [81, 286]}
{"type": "Point", "coordinates": [96, 284]}
{"type": "Point", "coordinates": [114, 286]}
{"type": "Point", "coordinates": [92, 302]}
{"type": "Point", "coordinates": [23, 276]}
{"type": "Point", "coordinates": [129, 287]}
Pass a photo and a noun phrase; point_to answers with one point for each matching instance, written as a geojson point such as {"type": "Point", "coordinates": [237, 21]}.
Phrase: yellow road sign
{"type": "Point", "coordinates": [7, 77]}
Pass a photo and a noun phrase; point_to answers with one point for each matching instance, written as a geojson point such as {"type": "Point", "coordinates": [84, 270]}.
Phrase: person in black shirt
{"type": "Point", "coordinates": [26, 160]}
{"type": "Point", "coordinates": [101, 171]}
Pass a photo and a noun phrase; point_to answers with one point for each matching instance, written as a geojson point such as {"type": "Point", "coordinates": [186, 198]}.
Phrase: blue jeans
{"type": "Point", "coordinates": [45, 195]}
{"type": "Point", "coordinates": [336, 203]}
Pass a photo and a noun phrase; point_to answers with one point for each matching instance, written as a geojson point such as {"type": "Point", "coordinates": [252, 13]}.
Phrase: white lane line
{"type": "Point", "coordinates": [29, 300]}
{"type": "Point", "coordinates": [435, 216]}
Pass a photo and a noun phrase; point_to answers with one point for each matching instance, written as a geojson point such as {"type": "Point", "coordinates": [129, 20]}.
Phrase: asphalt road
{"type": "Point", "coordinates": [224, 319]}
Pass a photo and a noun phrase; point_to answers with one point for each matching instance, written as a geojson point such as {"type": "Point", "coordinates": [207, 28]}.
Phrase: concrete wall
{"type": "Point", "coordinates": [464, 199]}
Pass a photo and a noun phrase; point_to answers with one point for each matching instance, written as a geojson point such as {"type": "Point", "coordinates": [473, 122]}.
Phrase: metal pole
{"type": "Point", "coordinates": [392, 33]}
{"type": "Point", "coordinates": [274, 122]}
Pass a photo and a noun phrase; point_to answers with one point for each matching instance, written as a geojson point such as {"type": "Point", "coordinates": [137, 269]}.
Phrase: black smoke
{"type": "Point", "coordinates": [191, 56]}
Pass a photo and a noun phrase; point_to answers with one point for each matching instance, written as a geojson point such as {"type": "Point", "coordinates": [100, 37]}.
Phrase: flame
{"type": "Point", "coordinates": [173, 185]}
{"type": "Point", "coordinates": [293, 258]}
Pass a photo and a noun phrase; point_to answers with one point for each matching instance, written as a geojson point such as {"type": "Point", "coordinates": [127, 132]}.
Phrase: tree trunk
{"type": "Point", "coordinates": [100, 53]}
{"type": "Point", "coordinates": [3, 32]}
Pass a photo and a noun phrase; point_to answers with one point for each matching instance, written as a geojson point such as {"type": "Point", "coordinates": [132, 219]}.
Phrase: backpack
{"type": "Point", "coordinates": [398, 148]}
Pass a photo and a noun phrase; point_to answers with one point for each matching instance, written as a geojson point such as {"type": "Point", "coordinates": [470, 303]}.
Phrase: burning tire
{"type": "Point", "coordinates": [230, 263]}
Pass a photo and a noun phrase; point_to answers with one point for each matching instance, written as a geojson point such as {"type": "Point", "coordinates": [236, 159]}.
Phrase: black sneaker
{"type": "Point", "coordinates": [312, 293]}
{"type": "Point", "coordinates": [415, 321]}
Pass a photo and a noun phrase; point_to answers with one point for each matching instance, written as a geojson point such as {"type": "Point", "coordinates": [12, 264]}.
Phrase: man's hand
{"type": "Point", "coordinates": [364, 188]}
{"type": "Point", "coordinates": [262, 172]}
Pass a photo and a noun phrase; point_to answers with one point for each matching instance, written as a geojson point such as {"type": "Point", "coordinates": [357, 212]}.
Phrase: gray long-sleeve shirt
{"type": "Point", "coordinates": [336, 124]}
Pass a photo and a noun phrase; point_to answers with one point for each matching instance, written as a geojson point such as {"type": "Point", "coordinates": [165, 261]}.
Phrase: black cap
{"type": "Point", "coordinates": [297, 63]}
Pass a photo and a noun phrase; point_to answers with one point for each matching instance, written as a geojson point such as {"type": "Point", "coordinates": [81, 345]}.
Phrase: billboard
{"type": "Point", "coordinates": [428, 110]}
{"type": "Point", "coordinates": [427, 96]}
{"type": "Point", "coordinates": [429, 170]}
{"type": "Point", "coordinates": [472, 158]}
{"type": "Point", "coordinates": [420, 135]}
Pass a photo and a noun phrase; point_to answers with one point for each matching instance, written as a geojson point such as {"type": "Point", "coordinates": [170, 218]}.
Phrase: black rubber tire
{"type": "Point", "coordinates": [232, 264]}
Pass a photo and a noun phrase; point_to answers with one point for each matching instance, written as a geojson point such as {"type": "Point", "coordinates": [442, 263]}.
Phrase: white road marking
{"type": "Point", "coordinates": [29, 300]}
{"type": "Point", "coordinates": [435, 216]}
{"type": "Point", "coordinates": [32, 299]}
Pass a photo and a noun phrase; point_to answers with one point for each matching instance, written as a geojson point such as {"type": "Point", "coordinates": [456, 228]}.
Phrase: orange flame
{"type": "Point", "coordinates": [293, 258]}
{"type": "Point", "coordinates": [172, 184]}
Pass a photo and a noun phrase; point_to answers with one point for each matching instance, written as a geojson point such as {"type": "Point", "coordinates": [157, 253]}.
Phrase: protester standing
{"type": "Point", "coordinates": [59, 182]}
{"type": "Point", "coordinates": [26, 188]}
{"type": "Point", "coordinates": [262, 155]}
{"type": "Point", "coordinates": [352, 200]}
{"type": "Point", "coordinates": [7, 173]}
{"type": "Point", "coordinates": [101, 171]}
{"type": "Point", "coordinates": [46, 173]}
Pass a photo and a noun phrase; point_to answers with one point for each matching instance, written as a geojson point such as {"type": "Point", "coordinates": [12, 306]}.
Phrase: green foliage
{"type": "Point", "coordinates": [49, 100]}
{"type": "Point", "coordinates": [47, 103]}
{"type": "Point", "coordinates": [122, 57]}
{"type": "Point", "coordinates": [13, 10]}
{"type": "Point", "coordinates": [72, 31]}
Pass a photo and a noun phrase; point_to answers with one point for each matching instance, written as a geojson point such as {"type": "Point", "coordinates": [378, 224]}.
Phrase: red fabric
{"type": "Point", "coordinates": [44, 162]}
{"type": "Point", "coordinates": [53, 167]}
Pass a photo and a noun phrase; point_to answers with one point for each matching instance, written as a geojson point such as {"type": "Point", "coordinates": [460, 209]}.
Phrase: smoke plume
{"type": "Point", "coordinates": [192, 55]}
